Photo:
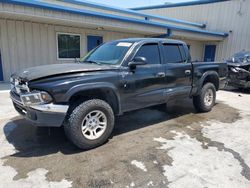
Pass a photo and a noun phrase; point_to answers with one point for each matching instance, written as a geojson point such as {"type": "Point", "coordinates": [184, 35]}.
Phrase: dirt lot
{"type": "Point", "coordinates": [149, 148]}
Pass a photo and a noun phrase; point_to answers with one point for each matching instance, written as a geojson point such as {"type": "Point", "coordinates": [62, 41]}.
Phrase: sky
{"type": "Point", "coordinates": [136, 3]}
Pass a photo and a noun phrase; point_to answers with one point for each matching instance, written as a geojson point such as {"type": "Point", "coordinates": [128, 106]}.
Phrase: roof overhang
{"type": "Point", "coordinates": [70, 16]}
{"type": "Point", "coordinates": [182, 4]}
{"type": "Point", "coordinates": [195, 36]}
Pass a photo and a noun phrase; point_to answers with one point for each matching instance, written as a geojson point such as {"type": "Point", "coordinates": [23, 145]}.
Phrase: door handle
{"type": "Point", "coordinates": [187, 72]}
{"type": "Point", "coordinates": [160, 74]}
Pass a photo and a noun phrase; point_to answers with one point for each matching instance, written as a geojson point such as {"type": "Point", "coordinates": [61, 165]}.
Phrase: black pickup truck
{"type": "Point", "coordinates": [116, 77]}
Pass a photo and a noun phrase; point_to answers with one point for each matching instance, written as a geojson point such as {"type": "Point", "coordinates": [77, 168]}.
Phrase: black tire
{"type": "Point", "coordinates": [73, 125]}
{"type": "Point", "coordinates": [199, 101]}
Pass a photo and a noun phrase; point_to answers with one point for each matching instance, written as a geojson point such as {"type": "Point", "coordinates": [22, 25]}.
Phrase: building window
{"type": "Point", "coordinates": [68, 46]}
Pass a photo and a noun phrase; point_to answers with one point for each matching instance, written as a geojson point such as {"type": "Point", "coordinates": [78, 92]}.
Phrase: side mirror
{"type": "Point", "coordinates": [137, 61]}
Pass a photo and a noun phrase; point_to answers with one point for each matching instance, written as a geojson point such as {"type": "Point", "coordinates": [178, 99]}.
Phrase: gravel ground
{"type": "Point", "coordinates": [149, 148]}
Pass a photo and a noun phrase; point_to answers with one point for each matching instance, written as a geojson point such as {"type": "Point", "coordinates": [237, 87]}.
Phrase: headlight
{"type": "Point", "coordinates": [46, 97]}
{"type": "Point", "coordinates": [36, 98]}
{"type": "Point", "coordinates": [248, 58]}
{"type": "Point", "coordinates": [12, 83]}
{"type": "Point", "coordinates": [234, 70]}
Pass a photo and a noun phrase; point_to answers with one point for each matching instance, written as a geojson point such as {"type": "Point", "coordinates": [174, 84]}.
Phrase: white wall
{"type": "Point", "coordinates": [25, 44]}
{"type": "Point", "coordinates": [231, 15]}
{"type": "Point", "coordinates": [196, 49]}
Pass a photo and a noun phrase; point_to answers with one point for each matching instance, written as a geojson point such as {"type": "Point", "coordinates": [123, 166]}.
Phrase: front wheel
{"type": "Point", "coordinates": [90, 124]}
{"type": "Point", "coordinates": [206, 100]}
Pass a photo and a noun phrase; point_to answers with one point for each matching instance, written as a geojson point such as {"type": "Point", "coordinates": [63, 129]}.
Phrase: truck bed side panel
{"type": "Point", "coordinates": [202, 69]}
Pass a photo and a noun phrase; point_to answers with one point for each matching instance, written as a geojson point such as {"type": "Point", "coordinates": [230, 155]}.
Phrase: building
{"type": "Point", "coordinates": [231, 16]}
{"type": "Point", "coordinates": [37, 32]}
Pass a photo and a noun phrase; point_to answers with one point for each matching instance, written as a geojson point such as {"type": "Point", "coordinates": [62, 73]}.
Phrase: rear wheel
{"type": "Point", "coordinates": [90, 124]}
{"type": "Point", "coordinates": [206, 100]}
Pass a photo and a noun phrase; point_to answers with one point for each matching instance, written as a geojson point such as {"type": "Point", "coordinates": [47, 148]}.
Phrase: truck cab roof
{"type": "Point", "coordinates": [138, 40]}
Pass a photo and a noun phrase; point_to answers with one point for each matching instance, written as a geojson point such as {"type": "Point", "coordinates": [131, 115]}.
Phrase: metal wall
{"type": "Point", "coordinates": [226, 16]}
{"type": "Point", "coordinates": [196, 49]}
{"type": "Point", "coordinates": [75, 19]}
{"type": "Point", "coordinates": [25, 44]}
{"type": "Point", "coordinates": [126, 13]}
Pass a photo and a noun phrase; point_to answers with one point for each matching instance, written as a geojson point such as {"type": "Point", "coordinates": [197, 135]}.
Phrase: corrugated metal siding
{"type": "Point", "coordinates": [25, 44]}
{"type": "Point", "coordinates": [89, 8]}
{"type": "Point", "coordinates": [229, 15]}
{"type": "Point", "coordinates": [78, 6]}
{"type": "Point", "coordinates": [69, 19]}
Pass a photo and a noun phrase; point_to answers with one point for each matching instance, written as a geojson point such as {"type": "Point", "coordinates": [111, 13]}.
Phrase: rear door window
{"type": "Point", "coordinates": [173, 53]}
{"type": "Point", "coordinates": [183, 53]}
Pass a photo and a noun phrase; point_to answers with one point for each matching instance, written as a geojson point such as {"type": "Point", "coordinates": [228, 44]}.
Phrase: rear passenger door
{"type": "Point", "coordinates": [178, 70]}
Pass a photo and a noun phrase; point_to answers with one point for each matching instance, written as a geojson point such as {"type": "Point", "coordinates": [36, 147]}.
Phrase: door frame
{"type": "Point", "coordinates": [90, 35]}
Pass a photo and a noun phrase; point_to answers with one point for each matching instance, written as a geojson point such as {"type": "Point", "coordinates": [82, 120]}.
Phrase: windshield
{"type": "Point", "coordinates": [108, 53]}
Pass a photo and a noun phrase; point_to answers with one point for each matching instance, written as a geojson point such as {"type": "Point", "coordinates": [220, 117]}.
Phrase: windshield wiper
{"type": "Point", "coordinates": [90, 61]}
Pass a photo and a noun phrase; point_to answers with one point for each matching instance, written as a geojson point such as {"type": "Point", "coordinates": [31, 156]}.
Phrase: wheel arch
{"type": "Point", "coordinates": [103, 91]}
{"type": "Point", "coordinates": [210, 76]}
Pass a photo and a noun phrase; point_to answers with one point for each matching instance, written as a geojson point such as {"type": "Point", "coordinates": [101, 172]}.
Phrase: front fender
{"type": "Point", "coordinates": [89, 86]}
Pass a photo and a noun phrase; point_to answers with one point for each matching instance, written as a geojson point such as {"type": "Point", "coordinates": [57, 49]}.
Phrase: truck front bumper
{"type": "Point", "coordinates": [44, 115]}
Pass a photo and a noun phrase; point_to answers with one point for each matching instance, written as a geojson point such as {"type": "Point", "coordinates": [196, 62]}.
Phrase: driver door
{"type": "Point", "coordinates": [144, 85]}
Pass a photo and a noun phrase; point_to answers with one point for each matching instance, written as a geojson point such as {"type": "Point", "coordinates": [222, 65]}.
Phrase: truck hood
{"type": "Point", "coordinates": [238, 64]}
{"type": "Point", "coordinates": [43, 71]}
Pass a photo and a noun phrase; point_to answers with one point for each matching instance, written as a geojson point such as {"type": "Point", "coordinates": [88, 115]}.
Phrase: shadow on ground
{"type": "Point", "coordinates": [238, 90]}
{"type": "Point", "coordinates": [106, 165]}
{"type": "Point", "coordinates": [32, 141]}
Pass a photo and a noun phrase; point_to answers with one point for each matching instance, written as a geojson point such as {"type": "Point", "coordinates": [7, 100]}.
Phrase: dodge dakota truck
{"type": "Point", "coordinates": [114, 78]}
